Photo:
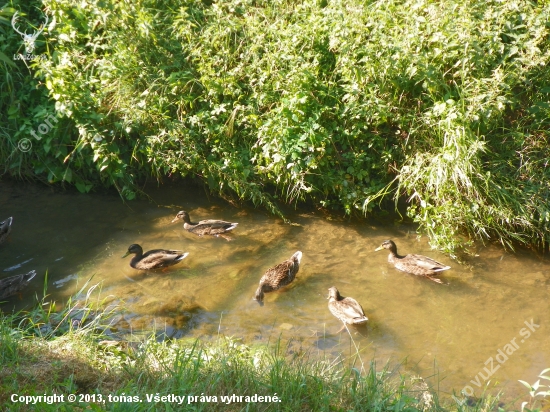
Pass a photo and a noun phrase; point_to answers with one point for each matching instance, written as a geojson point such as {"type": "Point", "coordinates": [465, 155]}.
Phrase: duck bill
{"type": "Point", "coordinates": [126, 254]}
{"type": "Point", "coordinates": [175, 219]}
{"type": "Point", "coordinates": [378, 248]}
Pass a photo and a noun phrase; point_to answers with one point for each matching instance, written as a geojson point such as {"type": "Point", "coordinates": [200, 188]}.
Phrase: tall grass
{"type": "Point", "coordinates": [80, 363]}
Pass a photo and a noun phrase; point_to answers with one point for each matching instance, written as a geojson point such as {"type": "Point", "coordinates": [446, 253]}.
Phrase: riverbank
{"type": "Point", "coordinates": [69, 363]}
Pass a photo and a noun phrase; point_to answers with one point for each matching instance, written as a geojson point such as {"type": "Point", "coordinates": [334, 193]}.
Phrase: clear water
{"type": "Point", "coordinates": [446, 330]}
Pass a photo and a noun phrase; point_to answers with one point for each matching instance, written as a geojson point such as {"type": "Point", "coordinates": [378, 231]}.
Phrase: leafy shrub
{"type": "Point", "coordinates": [341, 103]}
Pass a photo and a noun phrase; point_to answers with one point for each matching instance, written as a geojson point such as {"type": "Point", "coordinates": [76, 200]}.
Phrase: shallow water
{"type": "Point", "coordinates": [450, 331]}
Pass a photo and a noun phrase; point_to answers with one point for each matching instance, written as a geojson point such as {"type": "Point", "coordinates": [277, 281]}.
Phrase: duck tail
{"type": "Point", "coordinates": [181, 257]}
{"type": "Point", "coordinates": [259, 296]}
{"type": "Point", "coordinates": [231, 227]}
{"type": "Point", "coordinates": [442, 269]}
{"type": "Point", "coordinates": [360, 321]}
{"type": "Point", "coordinates": [29, 276]}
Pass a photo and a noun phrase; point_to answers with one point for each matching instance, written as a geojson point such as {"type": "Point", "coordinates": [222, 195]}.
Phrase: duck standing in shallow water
{"type": "Point", "coordinates": [15, 284]}
{"type": "Point", "coordinates": [153, 259]}
{"type": "Point", "coordinates": [204, 227]}
{"type": "Point", "coordinates": [414, 264]}
{"type": "Point", "coordinates": [278, 276]}
{"type": "Point", "coordinates": [5, 229]}
{"type": "Point", "coordinates": [348, 310]}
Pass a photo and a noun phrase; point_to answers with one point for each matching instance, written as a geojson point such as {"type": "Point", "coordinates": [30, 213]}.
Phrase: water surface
{"type": "Point", "coordinates": [447, 330]}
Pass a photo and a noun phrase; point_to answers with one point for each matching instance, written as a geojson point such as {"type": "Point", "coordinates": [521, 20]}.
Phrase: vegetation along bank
{"type": "Point", "coordinates": [347, 104]}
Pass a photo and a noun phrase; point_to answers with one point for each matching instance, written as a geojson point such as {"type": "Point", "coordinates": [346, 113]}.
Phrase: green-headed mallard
{"type": "Point", "coordinates": [153, 259]}
{"type": "Point", "coordinates": [5, 229]}
{"type": "Point", "coordinates": [278, 276]}
{"type": "Point", "coordinates": [414, 264]}
{"type": "Point", "coordinates": [14, 284]}
{"type": "Point", "coordinates": [348, 310]}
{"type": "Point", "coordinates": [204, 227]}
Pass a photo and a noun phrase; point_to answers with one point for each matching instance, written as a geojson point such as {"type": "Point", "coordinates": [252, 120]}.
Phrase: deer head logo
{"type": "Point", "coordinates": [28, 39]}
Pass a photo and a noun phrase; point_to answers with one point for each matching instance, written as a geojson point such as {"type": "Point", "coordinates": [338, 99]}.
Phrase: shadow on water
{"type": "Point", "coordinates": [457, 326]}
{"type": "Point", "coordinates": [52, 231]}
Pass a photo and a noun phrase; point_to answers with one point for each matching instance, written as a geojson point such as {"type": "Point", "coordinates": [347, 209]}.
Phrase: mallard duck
{"type": "Point", "coordinates": [153, 259]}
{"type": "Point", "coordinates": [348, 310]}
{"type": "Point", "coordinates": [204, 227]}
{"type": "Point", "coordinates": [14, 284]}
{"type": "Point", "coordinates": [414, 264]}
{"type": "Point", "coordinates": [278, 276]}
{"type": "Point", "coordinates": [5, 229]}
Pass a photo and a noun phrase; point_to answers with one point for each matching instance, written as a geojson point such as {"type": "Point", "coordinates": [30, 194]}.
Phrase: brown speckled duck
{"type": "Point", "coordinates": [348, 310]}
{"type": "Point", "coordinates": [15, 284]}
{"type": "Point", "coordinates": [414, 264]}
{"type": "Point", "coordinates": [5, 229]}
{"type": "Point", "coordinates": [153, 259]}
{"type": "Point", "coordinates": [204, 227]}
{"type": "Point", "coordinates": [278, 276]}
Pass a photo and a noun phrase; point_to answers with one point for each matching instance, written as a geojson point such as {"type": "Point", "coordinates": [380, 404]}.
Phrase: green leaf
{"type": "Point", "coordinates": [68, 176]}
{"type": "Point", "coordinates": [81, 187]}
{"type": "Point", "coordinates": [7, 60]}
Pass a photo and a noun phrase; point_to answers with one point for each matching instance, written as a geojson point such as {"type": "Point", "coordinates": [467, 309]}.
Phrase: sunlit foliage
{"type": "Point", "coordinates": [342, 103]}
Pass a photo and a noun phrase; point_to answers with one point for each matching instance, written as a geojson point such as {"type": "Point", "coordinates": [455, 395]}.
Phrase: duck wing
{"type": "Point", "coordinates": [162, 257]}
{"type": "Point", "coordinates": [216, 223]}
{"type": "Point", "coordinates": [425, 262]}
{"type": "Point", "coordinates": [279, 275]}
{"type": "Point", "coordinates": [353, 310]}
{"type": "Point", "coordinates": [212, 227]}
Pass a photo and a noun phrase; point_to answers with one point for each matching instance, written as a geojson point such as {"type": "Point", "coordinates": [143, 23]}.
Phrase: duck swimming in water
{"type": "Point", "coordinates": [204, 227]}
{"type": "Point", "coordinates": [153, 259]}
{"type": "Point", "coordinates": [15, 284]}
{"type": "Point", "coordinates": [348, 310]}
{"type": "Point", "coordinates": [414, 264]}
{"type": "Point", "coordinates": [278, 276]}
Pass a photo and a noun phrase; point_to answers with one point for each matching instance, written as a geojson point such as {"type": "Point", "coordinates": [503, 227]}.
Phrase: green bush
{"type": "Point", "coordinates": [341, 103]}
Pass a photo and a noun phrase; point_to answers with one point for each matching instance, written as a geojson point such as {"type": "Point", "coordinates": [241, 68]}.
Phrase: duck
{"type": "Point", "coordinates": [348, 310]}
{"type": "Point", "coordinates": [414, 264]}
{"type": "Point", "coordinates": [278, 276]}
{"type": "Point", "coordinates": [153, 259]}
{"type": "Point", "coordinates": [204, 227]}
{"type": "Point", "coordinates": [15, 284]}
{"type": "Point", "coordinates": [5, 229]}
